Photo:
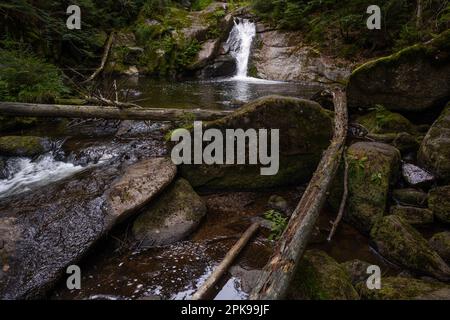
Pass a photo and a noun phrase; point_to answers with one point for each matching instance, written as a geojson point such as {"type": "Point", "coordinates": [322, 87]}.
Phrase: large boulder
{"type": "Point", "coordinates": [44, 231]}
{"type": "Point", "coordinates": [24, 146]}
{"type": "Point", "coordinates": [441, 243]}
{"type": "Point", "coordinates": [400, 243]}
{"type": "Point", "coordinates": [439, 203]}
{"type": "Point", "coordinates": [372, 170]}
{"type": "Point", "coordinates": [410, 197]}
{"type": "Point", "coordinates": [320, 277]}
{"type": "Point", "coordinates": [399, 288]}
{"type": "Point", "coordinates": [382, 121]}
{"type": "Point", "coordinates": [278, 55]}
{"type": "Point", "coordinates": [434, 153]}
{"type": "Point", "coordinates": [413, 79]}
{"type": "Point", "coordinates": [413, 215]}
{"type": "Point", "coordinates": [305, 132]}
{"type": "Point", "coordinates": [176, 213]}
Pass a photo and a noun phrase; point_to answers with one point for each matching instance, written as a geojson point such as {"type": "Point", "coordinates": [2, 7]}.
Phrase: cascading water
{"type": "Point", "coordinates": [240, 43]}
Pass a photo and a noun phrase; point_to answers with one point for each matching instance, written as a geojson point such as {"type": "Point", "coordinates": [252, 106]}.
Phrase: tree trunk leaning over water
{"type": "Point", "coordinates": [87, 112]}
{"type": "Point", "coordinates": [278, 273]}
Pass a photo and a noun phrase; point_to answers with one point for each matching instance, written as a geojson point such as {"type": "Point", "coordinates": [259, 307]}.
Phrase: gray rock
{"type": "Point", "coordinates": [441, 243]}
{"type": "Point", "coordinates": [413, 215]}
{"type": "Point", "coordinates": [176, 213]}
{"type": "Point", "coordinates": [207, 53]}
{"type": "Point", "coordinates": [278, 55]}
{"type": "Point", "coordinates": [416, 176]}
{"type": "Point", "coordinates": [46, 230]}
{"type": "Point", "coordinates": [223, 66]}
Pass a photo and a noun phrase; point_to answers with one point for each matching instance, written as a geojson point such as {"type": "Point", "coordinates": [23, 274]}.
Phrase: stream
{"type": "Point", "coordinates": [118, 267]}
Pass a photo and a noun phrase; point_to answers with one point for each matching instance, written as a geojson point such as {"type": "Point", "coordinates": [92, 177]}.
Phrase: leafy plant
{"type": "Point", "coordinates": [377, 178]}
{"type": "Point", "coordinates": [279, 223]}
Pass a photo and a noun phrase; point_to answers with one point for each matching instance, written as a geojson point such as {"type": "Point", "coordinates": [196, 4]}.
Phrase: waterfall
{"type": "Point", "coordinates": [240, 42]}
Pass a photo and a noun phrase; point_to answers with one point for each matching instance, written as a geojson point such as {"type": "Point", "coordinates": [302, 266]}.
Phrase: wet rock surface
{"type": "Point", "coordinates": [171, 218]}
{"type": "Point", "coordinates": [46, 230]}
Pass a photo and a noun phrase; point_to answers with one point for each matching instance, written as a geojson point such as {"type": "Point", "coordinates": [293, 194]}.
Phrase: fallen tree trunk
{"type": "Point", "coordinates": [226, 263]}
{"type": "Point", "coordinates": [86, 112]}
{"type": "Point", "coordinates": [104, 59]}
{"type": "Point", "coordinates": [278, 273]}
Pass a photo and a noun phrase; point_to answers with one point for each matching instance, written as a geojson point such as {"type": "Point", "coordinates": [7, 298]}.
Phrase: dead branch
{"type": "Point", "coordinates": [104, 59]}
{"type": "Point", "coordinates": [223, 267]}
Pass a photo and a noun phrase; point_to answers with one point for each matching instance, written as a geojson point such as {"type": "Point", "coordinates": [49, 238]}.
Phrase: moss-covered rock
{"type": "Point", "coordinates": [410, 197]}
{"type": "Point", "coordinates": [399, 288]}
{"type": "Point", "coordinates": [320, 277]}
{"type": "Point", "coordinates": [372, 170]}
{"type": "Point", "coordinates": [413, 79]}
{"type": "Point", "coordinates": [441, 243]}
{"type": "Point", "coordinates": [16, 123]}
{"type": "Point", "coordinates": [305, 131]}
{"type": "Point", "coordinates": [413, 215]}
{"type": "Point", "coordinates": [357, 270]}
{"type": "Point", "coordinates": [434, 153]}
{"type": "Point", "coordinates": [23, 146]}
{"type": "Point", "coordinates": [400, 243]}
{"type": "Point", "coordinates": [382, 121]}
{"type": "Point", "coordinates": [172, 217]}
{"type": "Point", "coordinates": [439, 203]}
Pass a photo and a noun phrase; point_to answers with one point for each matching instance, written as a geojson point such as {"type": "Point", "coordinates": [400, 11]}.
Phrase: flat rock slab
{"type": "Point", "coordinates": [44, 231]}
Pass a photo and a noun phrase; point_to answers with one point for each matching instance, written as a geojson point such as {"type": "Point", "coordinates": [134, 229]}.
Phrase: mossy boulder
{"type": "Point", "coordinates": [305, 131]}
{"type": "Point", "coordinates": [410, 197]}
{"type": "Point", "coordinates": [434, 153]}
{"type": "Point", "coordinates": [372, 170]}
{"type": "Point", "coordinates": [399, 242]}
{"type": "Point", "coordinates": [382, 121]}
{"type": "Point", "coordinates": [320, 277]}
{"type": "Point", "coordinates": [16, 123]}
{"type": "Point", "coordinates": [172, 217]}
{"type": "Point", "coordinates": [413, 79]}
{"type": "Point", "coordinates": [413, 215]}
{"type": "Point", "coordinates": [23, 146]}
{"type": "Point", "coordinates": [399, 288]}
{"type": "Point", "coordinates": [357, 270]}
{"type": "Point", "coordinates": [439, 203]}
{"type": "Point", "coordinates": [441, 243]}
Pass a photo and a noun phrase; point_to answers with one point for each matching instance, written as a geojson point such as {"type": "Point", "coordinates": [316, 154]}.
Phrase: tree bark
{"type": "Point", "coordinates": [104, 59]}
{"type": "Point", "coordinates": [87, 112]}
{"type": "Point", "coordinates": [226, 263]}
{"type": "Point", "coordinates": [278, 273]}
{"type": "Point", "coordinates": [419, 14]}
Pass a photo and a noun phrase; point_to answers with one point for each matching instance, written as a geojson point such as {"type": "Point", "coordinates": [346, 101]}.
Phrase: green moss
{"type": "Point", "coordinates": [439, 203]}
{"type": "Point", "coordinates": [398, 288]}
{"type": "Point", "coordinates": [22, 146]}
{"type": "Point", "coordinates": [319, 277]}
{"type": "Point", "coordinates": [399, 242]}
{"type": "Point", "coordinates": [16, 123]}
{"type": "Point", "coordinates": [383, 121]}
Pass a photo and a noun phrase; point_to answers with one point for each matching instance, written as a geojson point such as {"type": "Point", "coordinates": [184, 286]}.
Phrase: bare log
{"type": "Point", "coordinates": [279, 271]}
{"type": "Point", "coordinates": [87, 112]}
{"type": "Point", "coordinates": [343, 202]}
{"type": "Point", "coordinates": [104, 59]}
{"type": "Point", "coordinates": [222, 268]}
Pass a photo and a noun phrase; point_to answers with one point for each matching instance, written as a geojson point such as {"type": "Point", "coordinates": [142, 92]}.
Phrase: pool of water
{"type": "Point", "coordinates": [213, 94]}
